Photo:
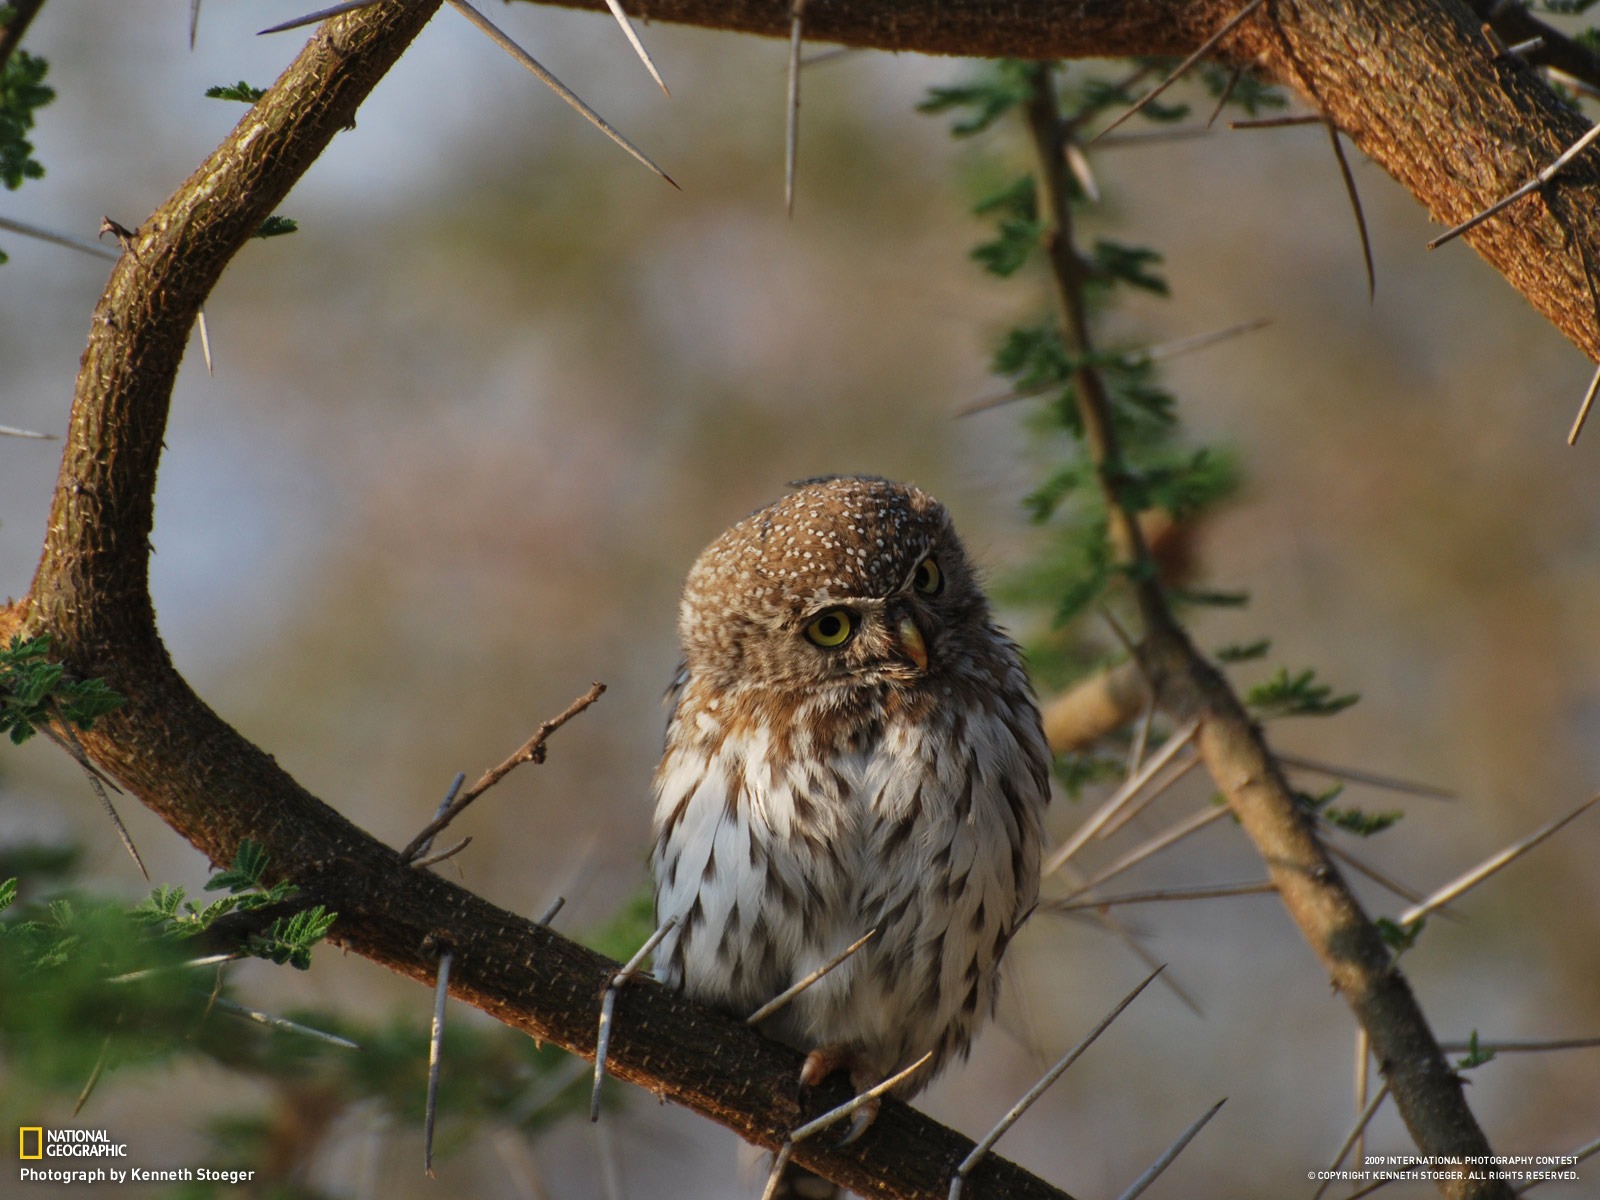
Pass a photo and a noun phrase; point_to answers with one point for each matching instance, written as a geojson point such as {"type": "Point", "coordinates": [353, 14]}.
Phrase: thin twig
{"type": "Point", "coordinates": [1363, 1065]}
{"type": "Point", "coordinates": [1520, 1047]}
{"type": "Point", "coordinates": [1533, 185]}
{"type": "Point", "coordinates": [986, 1143]}
{"type": "Point", "coordinates": [68, 740]}
{"type": "Point", "coordinates": [638, 47]}
{"type": "Point", "coordinates": [789, 993]}
{"type": "Point", "coordinates": [1355, 206]}
{"type": "Point", "coordinates": [429, 860]}
{"type": "Point", "coordinates": [1227, 94]}
{"type": "Point", "coordinates": [849, 1107]}
{"type": "Point", "coordinates": [1158, 788]}
{"type": "Point", "coordinates": [1161, 1164]}
{"type": "Point", "coordinates": [1490, 865]}
{"type": "Point", "coordinates": [1202, 341]}
{"type": "Point", "coordinates": [1583, 409]}
{"type": "Point", "coordinates": [1141, 738]}
{"type": "Point", "coordinates": [1284, 122]}
{"type": "Point", "coordinates": [194, 22]}
{"type": "Point", "coordinates": [1363, 1119]}
{"type": "Point", "coordinates": [530, 751]}
{"type": "Point", "coordinates": [500, 38]}
{"type": "Point", "coordinates": [1183, 68]}
{"type": "Point", "coordinates": [1388, 783]}
{"type": "Point", "coordinates": [210, 960]}
{"type": "Point", "coordinates": [444, 806]}
{"type": "Point", "coordinates": [1410, 895]}
{"type": "Point", "coordinates": [791, 135]}
{"type": "Point", "coordinates": [608, 1006]}
{"type": "Point", "coordinates": [82, 245]}
{"type": "Point", "coordinates": [320, 15]}
{"type": "Point", "coordinates": [1155, 845]}
{"type": "Point", "coordinates": [1216, 891]}
{"type": "Point", "coordinates": [1176, 742]}
{"type": "Point", "coordinates": [94, 1076]}
{"type": "Point", "coordinates": [235, 1009]}
{"type": "Point", "coordinates": [549, 914]}
{"type": "Point", "coordinates": [780, 1160]}
{"type": "Point", "coordinates": [441, 993]}
{"type": "Point", "coordinates": [1587, 1150]}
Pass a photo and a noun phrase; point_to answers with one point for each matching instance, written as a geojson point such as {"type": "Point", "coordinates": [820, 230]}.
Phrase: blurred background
{"type": "Point", "coordinates": [471, 424]}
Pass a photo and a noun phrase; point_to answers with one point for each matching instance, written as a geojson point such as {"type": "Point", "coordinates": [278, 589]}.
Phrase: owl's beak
{"type": "Point", "coordinates": [909, 639]}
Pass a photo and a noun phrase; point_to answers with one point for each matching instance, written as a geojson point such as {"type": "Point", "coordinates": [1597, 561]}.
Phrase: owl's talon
{"type": "Point", "coordinates": [824, 1061]}
{"type": "Point", "coordinates": [861, 1121]}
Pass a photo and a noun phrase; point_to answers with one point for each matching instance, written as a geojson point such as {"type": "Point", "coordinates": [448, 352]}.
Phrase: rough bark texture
{"type": "Point", "coordinates": [1411, 81]}
{"type": "Point", "coordinates": [214, 787]}
{"type": "Point", "coordinates": [1414, 83]}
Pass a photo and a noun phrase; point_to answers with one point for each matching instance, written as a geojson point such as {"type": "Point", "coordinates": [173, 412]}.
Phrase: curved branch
{"type": "Point", "coordinates": [1413, 83]}
{"type": "Point", "coordinates": [216, 788]}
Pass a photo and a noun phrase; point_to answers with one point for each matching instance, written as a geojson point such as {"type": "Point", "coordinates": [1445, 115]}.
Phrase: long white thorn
{"type": "Point", "coordinates": [959, 1179]}
{"type": "Point", "coordinates": [500, 38]}
{"type": "Point", "coordinates": [1171, 1152]}
{"type": "Point", "coordinates": [1490, 865]}
{"type": "Point", "coordinates": [633, 40]}
{"type": "Point", "coordinates": [608, 1007]}
{"type": "Point", "coordinates": [1122, 796]}
{"type": "Point", "coordinates": [435, 1051]}
{"type": "Point", "coordinates": [789, 993]}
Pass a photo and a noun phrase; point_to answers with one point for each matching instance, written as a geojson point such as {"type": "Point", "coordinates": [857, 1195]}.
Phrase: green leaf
{"type": "Point", "coordinates": [8, 896]}
{"type": "Point", "coordinates": [1360, 822]}
{"type": "Point", "coordinates": [31, 687]}
{"type": "Point", "coordinates": [1397, 937]}
{"type": "Point", "coordinates": [241, 91]}
{"type": "Point", "coordinates": [1297, 695]}
{"type": "Point", "coordinates": [276, 227]}
{"type": "Point", "coordinates": [1006, 84]}
{"type": "Point", "coordinates": [22, 91]}
{"type": "Point", "coordinates": [1238, 652]}
{"type": "Point", "coordinates": [246, 872]}
{"type": "Point", "coordinates": [1128, 264]}
{"type": "Point", "coordinates": [1475, 1056]}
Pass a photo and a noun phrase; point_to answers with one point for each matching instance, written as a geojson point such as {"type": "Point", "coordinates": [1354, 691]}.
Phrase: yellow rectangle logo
{"type": "Point", "coordinates": [38, 1141]}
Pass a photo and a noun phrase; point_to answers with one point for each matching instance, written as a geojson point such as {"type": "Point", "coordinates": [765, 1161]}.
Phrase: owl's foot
{"type": "Point", "coordinates": [824, 1061]}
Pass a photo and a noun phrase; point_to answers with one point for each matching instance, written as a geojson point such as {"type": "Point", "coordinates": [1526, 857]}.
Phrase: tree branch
{"type": "Point", "coordinates": [215, 788]}
{"type": "Point", "coordinates": [1426, 1091]}
{"type": "Point", "coordinates": [13, 27]}
{"type": "Point", "coordinates": [1411, 82]}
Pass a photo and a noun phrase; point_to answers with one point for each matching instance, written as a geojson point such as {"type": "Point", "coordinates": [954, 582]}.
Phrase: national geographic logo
{"type": "Point", "coordinates": [36, 1142]}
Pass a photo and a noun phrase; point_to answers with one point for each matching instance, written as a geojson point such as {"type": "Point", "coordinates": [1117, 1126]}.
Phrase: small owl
{"type": "Point", "coordinates": [854, 747]}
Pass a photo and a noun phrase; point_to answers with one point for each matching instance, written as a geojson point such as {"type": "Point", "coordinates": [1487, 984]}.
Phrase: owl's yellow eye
{"type": "Point", "coordinates": [928, 580]}
{"type": "Point", "coordinates": [832, 629]}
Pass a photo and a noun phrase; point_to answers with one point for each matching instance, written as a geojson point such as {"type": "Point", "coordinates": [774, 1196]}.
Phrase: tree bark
{"type": "Point", "coordinates": [1413, 83]}
{"type": "Point", "coordinates": [90, 593]}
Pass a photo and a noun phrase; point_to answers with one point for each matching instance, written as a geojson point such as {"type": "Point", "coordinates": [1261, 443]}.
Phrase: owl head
{"type": "Point", "coordinates": [847, 581]}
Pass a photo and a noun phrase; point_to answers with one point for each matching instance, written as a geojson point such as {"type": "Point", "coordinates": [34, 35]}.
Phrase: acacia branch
{"type": "Point", "coordinates": [1412, 83]}
{"type": "Point", "coordinates": [214, 787]}
{"type": "Point", "coordinates": [1330, 918]}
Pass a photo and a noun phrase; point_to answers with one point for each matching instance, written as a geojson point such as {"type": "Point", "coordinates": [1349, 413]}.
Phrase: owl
{"type": "Point", "coordinates": [854, 747]}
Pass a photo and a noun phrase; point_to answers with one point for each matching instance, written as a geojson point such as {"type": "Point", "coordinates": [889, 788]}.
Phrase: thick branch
{"type": "Point", "coordinates": [1427, 1093]}
{"type": "Point", "coordinates": [1413, 83]}
{"type": "Point", "coordinates": [216, 788]}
